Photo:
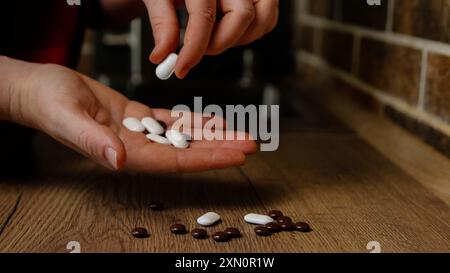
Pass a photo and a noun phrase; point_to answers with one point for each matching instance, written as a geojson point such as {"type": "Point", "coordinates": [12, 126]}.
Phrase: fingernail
{"type": "Point", "coordinates": [111, 157]}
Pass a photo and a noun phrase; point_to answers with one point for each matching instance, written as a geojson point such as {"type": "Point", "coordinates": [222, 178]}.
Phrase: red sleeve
{"type": "Point", "coordinates": [48, 31]}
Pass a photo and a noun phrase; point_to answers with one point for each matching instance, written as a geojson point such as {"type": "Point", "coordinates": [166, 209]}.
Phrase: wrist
{"type": "Point", "coordinates": [14, 75]}
{"type": "Point", "coordinates": [5, 89]}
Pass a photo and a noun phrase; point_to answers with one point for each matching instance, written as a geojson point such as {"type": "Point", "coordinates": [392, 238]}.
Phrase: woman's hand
{"type": "Point", "coordinates": [87, 116]}
{"type": "Point", "coordinates": [243, 21]}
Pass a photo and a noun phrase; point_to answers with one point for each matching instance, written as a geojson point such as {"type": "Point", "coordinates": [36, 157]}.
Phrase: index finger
{"type": "Point", "coordinates": [202, 16]}
{"type": "Point", "coordinates": [163, 19]}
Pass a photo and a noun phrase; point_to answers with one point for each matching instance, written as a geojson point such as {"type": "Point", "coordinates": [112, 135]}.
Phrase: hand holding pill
{"type": "Point", "coordinates": [243, 22]}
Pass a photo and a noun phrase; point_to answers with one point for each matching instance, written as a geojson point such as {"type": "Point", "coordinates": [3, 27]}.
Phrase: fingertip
{"type": "Point", "coordinates": [241, 159]}
{"type": "Point", "coordinates": [251, 147]}
{"type": "Point", "coordinates": [115, 155]}
{"type": "Point", "coordinates": [228, 157]}
{"type": "Point", "coordinates": [115, 152]}
{"type": "Point", "coordinates": [161, 51]}
{"type": "Point", "coordinates": [155, 56]}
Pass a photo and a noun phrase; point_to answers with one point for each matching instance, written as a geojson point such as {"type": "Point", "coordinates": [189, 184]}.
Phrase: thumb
{"type": "Point", "coordinates": [93, 139]}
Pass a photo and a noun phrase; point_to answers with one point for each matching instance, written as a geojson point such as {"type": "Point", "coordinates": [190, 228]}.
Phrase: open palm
{"type": "Point", "coordinates": [90, 118]}
{"type": "Point", "coordinates": [143, 155]}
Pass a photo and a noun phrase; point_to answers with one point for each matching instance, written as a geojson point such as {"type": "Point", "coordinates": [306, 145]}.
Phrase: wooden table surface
{"type": "Point", "coordinates": [323, 173]}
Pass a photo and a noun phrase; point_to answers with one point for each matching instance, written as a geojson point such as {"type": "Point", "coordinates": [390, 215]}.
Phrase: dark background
{"type": "Point", "coordinates": [218, 79]}
{"type": "Point", "coordinates": [224, 79]}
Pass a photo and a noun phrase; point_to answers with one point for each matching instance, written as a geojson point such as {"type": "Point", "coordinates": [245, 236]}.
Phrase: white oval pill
{"type": "Point", "coordinates": [152, 126]}
{"type": "Point", "coordinates": [257, 219]}
{"type": "Point", "coordinates": [177, 139]}
{"type": "Point", "coordinates": [158, 139]}
{"type": "Point", "coordinates": [208, 219]}
{"type": "Point", "coordinates": [133, 124]}
{"type": "Point", "coordinates": [187, 137]}
{"type": "Point", "coordinates": [165, 69]}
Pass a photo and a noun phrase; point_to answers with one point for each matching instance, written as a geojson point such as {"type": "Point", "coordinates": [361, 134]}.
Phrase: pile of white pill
{"type": "Point", "coordinates": [156, 131]}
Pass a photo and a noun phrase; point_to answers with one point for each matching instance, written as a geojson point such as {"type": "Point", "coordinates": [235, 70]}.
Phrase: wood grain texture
{"type": "Point", "coordinates": [412, 155]}
{"type": "Point", "coordinates": [323, 174]}
{"type": "Point", "coordinates": [350, 195]}
{"type": "Point", "coordinates": [10, 197]}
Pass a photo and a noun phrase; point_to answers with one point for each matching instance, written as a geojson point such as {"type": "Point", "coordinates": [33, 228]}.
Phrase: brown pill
{"type": "Point", "coordinates": [284, 219]}
{"type": "Point", "coordinates": [157, 206]}
{"type": "Point", "coordinates": [140, 232]}
{"type": "Point", "coordinates": [198, 233]}
{"type": "Point", "coordinates": [302, 227]}
{"type": "Point", "coordinates": [273, 227]}
{"type": "Point", "coordinates": [221, 236]}
{"type": "Point", "coordinates": [289, 226]}
{"type": "Point", "coordinates": [233, 232]}
{"type": "Point", "coordinates": [275, 214]}
{"type": "Point", "coordinates": [262, 231]}
{"type": "Point", "coordinates": [178, 229]}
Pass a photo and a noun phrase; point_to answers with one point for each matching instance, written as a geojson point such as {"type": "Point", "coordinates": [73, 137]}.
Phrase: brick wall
{"type": "Point", "coordinates": [397, 53]}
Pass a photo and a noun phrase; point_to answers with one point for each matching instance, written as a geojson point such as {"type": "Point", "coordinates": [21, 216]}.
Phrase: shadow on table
{"type": "Point", "coordinates": [136, 191]}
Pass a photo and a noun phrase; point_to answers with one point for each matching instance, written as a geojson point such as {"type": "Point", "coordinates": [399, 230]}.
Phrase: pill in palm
{"type": "Point", "coordinates": [187, 137]}
{"type": "Point", "coordinates": [257, 219]}
{"type": "Point", "coordinates": [165, 69]}
{"type": "Point", "coordinates": [208, 219]}
{"type": "Point", "coordinates": [177, 139]}
{"type": "Point", "coordinates": [158, 139]}
{"type": "Point", "coordinates": [133, 124]}
{"type": "Point", "coordinates": [152, 126]}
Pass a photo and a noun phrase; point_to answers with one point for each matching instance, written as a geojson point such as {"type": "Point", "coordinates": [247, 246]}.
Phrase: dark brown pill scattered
{"type": "Point", "coordinates": [157, 206]}
{"type": "Point", "coordinates": [163, 124]}
{"type": "Point", "coordinates": [178, 229]}
{"type": "Point", "coordinates": [221, 236]}
{"type": "Point", "coordinates": [140, 232]}
{"type": "Point", "coordinates": [302, 227]}
{"type": "Point", "coordinates": [289, 226]}
{"type": "Point", "coordinates": [273, 227]}
{"type": "Point", "coordinates": [233, 232]}
{"type": "Point", "coordinates": [275, 214]}
{"type": "Point", "coordinates": [198, 233]}
{"type": "Point", "coordinates": [284, 219]}
{"type": "Point", "coordinates": [262, 231]}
